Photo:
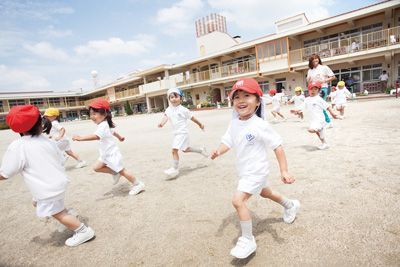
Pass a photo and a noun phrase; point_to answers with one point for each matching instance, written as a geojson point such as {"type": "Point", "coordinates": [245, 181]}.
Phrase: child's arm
{"type": "Point", "coordinates": [281, 157]}
{"type": "Point", "coordinates": [2, 178]}
{"type": "Point", "coordinates": [222, 149]}
{"type": "Point", "coordinates": [62, 132]}
{"type": "Point", "coordinates": [117, 135]}
{"type": "Point", "coordinates": [334, 115]}
{"type": "Point", "coordinates": [90, 137]}
{"type": "Point", "coordinates": [163, 121]}
{"type": "Point", "coordinates": [198, 123]}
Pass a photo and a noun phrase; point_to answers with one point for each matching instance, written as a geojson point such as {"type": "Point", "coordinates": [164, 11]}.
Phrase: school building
{"type": "Point", "coordinates": [356, 45]}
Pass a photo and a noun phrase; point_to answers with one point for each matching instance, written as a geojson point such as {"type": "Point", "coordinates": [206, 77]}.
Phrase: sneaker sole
{"type": "Point", "coordinates": [246, 256]}
{"type": "Point", "coordinates": [84, 241]}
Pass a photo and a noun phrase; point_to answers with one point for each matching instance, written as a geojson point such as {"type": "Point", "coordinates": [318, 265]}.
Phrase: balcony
{"type": "Point", "coordinates": [127, 93]}
{"type": "Point", "coordinates": [219, 72]}
{"type": "Point", "coordinates": [157, 86]}
{"type": "Point", "coordinates": [346, 46]}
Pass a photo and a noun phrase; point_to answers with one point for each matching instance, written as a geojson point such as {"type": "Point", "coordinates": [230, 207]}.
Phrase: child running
{"type": "Point", "coordinates": [298, 101]}
{"type": "Point", "coordinates": [56, 131]}
{"type": "Point", "coordinates": [179, 115]}
{"type": "Point", "coordinates": [342, 93]}
{"type": "Point", "coordinates": [276, 104]}
{"type": "Point", "coordinates": [39, 161]}
{"type": "Point", "coordinates": [332, 96]}
{"type": "Point", "coordinates": [316, 106]}
{"type": "Point", "coordinates": [110, 160]}
{"type": "Point", "coordinates": [251, 136]}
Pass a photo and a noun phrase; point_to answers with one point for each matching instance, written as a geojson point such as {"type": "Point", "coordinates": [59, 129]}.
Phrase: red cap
{"type": "Point", "coordinates": [100, 103]}
{"type": "Point", "coordinates": [249, 85]}
{"type": "Point", "coordinates": [272, 91]}
{"type": "Point", "coordinates": [22, 118]}
{"type": "Point", "coordinates": [314, 84]}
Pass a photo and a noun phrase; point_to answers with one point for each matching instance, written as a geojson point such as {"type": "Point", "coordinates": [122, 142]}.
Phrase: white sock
{"type": "Point", "coordinates": [175, 164]}
{"type": "Point", "coordinates": [247, 229]}
{"type": "Point", "coordinates": [286, 203]}
{"type": "Point", "coordinates": [322, 135]}
{"type": "Point", "coordinates": [81, 228]}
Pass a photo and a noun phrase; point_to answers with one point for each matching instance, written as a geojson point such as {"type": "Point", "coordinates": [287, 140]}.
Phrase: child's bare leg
{"type": "Point", "coordinates": [101, 167]}
{"type": "Point", "coordinates": [70, 221]}
{"type": "Point", "coordinates": [342, 111]}
{"type": "Point", "coordinates": [301, 115]}
{"type": "Point", "coordinates": [239, 202]}
{"type": "Point", "coordinates": [128, 176]}
{"type": "Point", "coordinates": [73, 155]}
{"type": "Point", "coordinates": [175, 157]}
{"type": "Point", "coordinates": [291, 206]}
{"type": "Point", "coordinates": [280, 114]}
{"type": "Point", "coordinates": [273, 113]}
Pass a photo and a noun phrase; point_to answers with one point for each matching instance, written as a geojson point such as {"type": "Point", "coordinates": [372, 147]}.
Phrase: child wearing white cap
{"type": "Point", "coordinates": [179, 115]}
{"type": "Point", "coordinates": [251, 137]}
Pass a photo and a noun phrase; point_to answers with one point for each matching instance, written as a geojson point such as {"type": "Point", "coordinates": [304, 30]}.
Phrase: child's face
{"type": "Point", "coordinates": [97, 117]}
{"type": "Point", "coordinates": [51, 118]}
{"type": "Point", "coordinates": [314, 91]}
{"type": "Point", "coordinates": [175, 99]}
{"type": "Point", "coordinates": [340, 87]}
{"type": "Point", "coordinates": [298, 92]}
{"type": "Point", "coordinates": [245, 104]}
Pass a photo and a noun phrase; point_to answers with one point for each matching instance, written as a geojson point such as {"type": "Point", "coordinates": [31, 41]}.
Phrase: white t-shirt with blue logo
{"type": "Point", "coordinates": [251, 138]}
{"type": "Point", "coordinates": [179, 116]}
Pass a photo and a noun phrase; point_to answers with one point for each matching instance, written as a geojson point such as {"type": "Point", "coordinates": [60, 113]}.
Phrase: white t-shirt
{"type": "Point", "coordinates": [298, 101]}
{"type": "Point", "coordinates": [251, 138]}
{"type": "Point", "coordinates": [383, 77]}
{"type": "Point", "coordinates": [40, 162]}
{"type": "Point", "coordinates": [55, 129]}
{"type": "Point", "coordinates": [320, 73]}
{"type": "Point", "coordinates": [276, 101]}
{"type": "Point", "coordinates": [332, 96]}
{"type": "Point", "coordinates": [316, 106]}
{"type": "Point", "coordinates": [107, 142]}
{"type": "Point", "coordinates": [179, 116]}
{"type": "Point", "coordinates": [341, 96]}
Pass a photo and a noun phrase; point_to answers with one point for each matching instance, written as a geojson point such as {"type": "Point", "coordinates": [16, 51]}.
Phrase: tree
{"type": "Point", "coordinates": [128, 108]}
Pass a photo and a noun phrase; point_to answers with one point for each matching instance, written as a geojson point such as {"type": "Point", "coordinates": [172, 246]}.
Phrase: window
{"type": "Point", "coordinates": [197, 97]}
{"type": "Point", "coordinates": [37, 101]}
{"type": "Point", "coordinates": [280, 84]}
{"type": "Point", "coordinates": [349, 76]}
{"type": "Point", "coordinates": [72, 115]}
{"type": "Point", "coordinates": [371, 72]}
{"type": "Point", "coordinates": [16, 102]}
{"type": "Point", "coordinates": [272, 49]}
{"type": "Point", "coordinates": [71, 101]}
{"type": "Point", "coordinates": [264, 86]}
{"type": "Point", "coordinates": [54, 102]}
{"type": "Point", "coordinates": [1, 106]}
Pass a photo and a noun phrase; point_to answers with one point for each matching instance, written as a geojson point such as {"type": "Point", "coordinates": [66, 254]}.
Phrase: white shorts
{"type": "Point", "coordinates": [251, 186]}
{"type": "Point", "coordinates": [276, 109]}
{"type": "Point", "coordinates": [180, 141]}
{"type": "Point", "coordinates": [50, 206]}
{"type": "Point", "coordinates": [64, 145]}
{"type": "Point", "coordinates": [113, 161]}
{"type": "Point", "coordinates": [318, 126]}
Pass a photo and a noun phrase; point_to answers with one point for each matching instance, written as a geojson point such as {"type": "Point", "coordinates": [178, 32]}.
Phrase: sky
{"type": "Point", "coordinates": [55, 45]}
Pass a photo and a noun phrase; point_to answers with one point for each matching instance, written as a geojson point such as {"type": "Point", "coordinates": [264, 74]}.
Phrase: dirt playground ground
{"type": "Point", "coordinates": [350, 214]}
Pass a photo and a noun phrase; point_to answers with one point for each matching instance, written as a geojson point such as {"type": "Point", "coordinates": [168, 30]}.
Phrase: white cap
{"type": "Point", "coordinates": [174, 90]}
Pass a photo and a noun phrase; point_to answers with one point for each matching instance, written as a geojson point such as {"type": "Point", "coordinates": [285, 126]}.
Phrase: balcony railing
{"type": "Point", "coordinates": [348, 45]}
{"type": "Point", "coordinates": [127, 93]}
{"type": "Point", "coordinates": [219, 72]}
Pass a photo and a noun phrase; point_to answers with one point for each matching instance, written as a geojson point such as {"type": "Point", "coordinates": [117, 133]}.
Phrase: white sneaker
{"type": "Point", "coordinates": [80, 237]}
{"type": "Point", "coordinates": [244, 247]}
{"type": "Point", "coordinates": [81, 164]}
{"type": "Point", "coordinates": [290, 214]}
{"type": "Point", "coordinates": [116, 178]}
{"type": "Point", "coordinates": [204, 152]}
{"type": "Point", "coordinates": [171, 172]}
{"type": "Point", "coordinates": [323, 146]}
{"type": "Point", "coordinates": [330, 125]}
{"type": "Point", "coordinates": [137, 188]}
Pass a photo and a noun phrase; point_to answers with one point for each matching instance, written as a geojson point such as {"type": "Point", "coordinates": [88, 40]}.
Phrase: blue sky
{"type": "Point", "coordinates": [54, 45]}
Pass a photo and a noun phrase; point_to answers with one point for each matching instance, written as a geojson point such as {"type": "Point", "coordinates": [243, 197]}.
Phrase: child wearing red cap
{"type": "Point", "coordinates": [110, 160]}
{"type": "Point", "coordinates": [251, 135]}
{"type": "Point", "coordinates": [179, 115]}
{"type": "Point", "coordinates": [56, 132]}
{"type": "Point", "coordinates": [276, 104]}
{"type": "Point", "coordinates": [316, 106]}
{"type": "Point", "coordinates": [39, 161]}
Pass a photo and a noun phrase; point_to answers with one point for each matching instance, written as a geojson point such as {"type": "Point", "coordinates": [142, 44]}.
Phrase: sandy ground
{"type": "Point", "coordinates": [349, 195]}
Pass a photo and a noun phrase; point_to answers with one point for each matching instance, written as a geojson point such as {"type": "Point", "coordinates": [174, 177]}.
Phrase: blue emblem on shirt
{"type": "Point", "coordinates": [249, 137]}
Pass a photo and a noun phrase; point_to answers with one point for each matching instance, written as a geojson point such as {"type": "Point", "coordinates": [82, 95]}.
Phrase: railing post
{"type": "Point", "coordinates": [397, 86]}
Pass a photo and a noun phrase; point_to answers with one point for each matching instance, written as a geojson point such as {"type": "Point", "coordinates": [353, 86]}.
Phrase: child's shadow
{"type": "Point", "coordinates": [57, 239]}
{"type": "Point", "coordinates": [187, 170]}
{"type": "Point", "coordinates": [259, 226]}
{"type": "Point", "coordinates": [118, 191]}
{"type": "Point", "coordinates": [309, 148]}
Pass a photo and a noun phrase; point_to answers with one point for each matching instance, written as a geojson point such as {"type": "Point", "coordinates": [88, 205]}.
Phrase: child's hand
{"type": "Point", "coordinates": [215, 154]}
{"type": "Point", "coordinates": [160, 125]}
{"type": "Point", "coordinates": [201, 126]}
{"type": "Point", "coordinates": [57, 139]}
{"type": "Point", "coordinates": [287, 178]}
{"type": "Point", "coordinates": [76, 138]}
{"type": "Point", "coordinates": [335, 116]}
{"type": "Point", "coordinates": [121, 139]}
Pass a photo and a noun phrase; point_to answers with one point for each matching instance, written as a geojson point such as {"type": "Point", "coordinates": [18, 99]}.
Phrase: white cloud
{"type": "Point", "coordinates": [179, 18]}
{"type": "Point", "coordinates": [12, 79]}
{"type": "Point", "coordinates": [117, 46]}
{"type": "Point", "coordinates": [33, 9]}
{"type": "Point", "coordinates": [259, 15]}
{"type": "Point", "coordinates": [51, 31]}
{"type": "Point", "coordinates": [46, 50]}
{"type": "Point", "coordinates": [81, 83]}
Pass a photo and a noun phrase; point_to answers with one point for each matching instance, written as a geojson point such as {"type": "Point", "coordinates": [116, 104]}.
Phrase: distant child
{"type": "Point", "coordinates": [251, 136]}
{"type": "Point", "coordinates": [39, 161]}
{"type": "Point", "coordinates": [316, 106]}
{"type": "Point", "coordinates": [56, 131]}
{"type": "Point", "coordinates": [110, 160]}
{"type": "Point", "coordinates": [332, 96]}
{"type": "Point", "coordinates": [179, 115]}
{"type": "Point", "coordinates": [276, 104]}
{"type": "Point", "coordinates": [298, 101]}
{"type": "Point", "coordinates": [342, 93]}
